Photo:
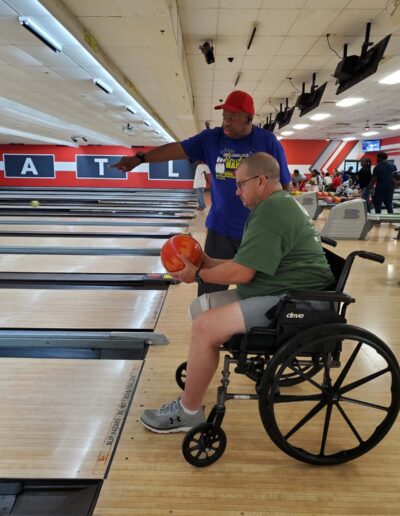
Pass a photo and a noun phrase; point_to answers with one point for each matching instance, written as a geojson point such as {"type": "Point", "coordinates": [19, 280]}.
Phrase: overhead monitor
{"type": "Point", "coordinates": [270, 125]}
{"type": "Point", "coordinates": [354, 69]}
{"type": "Point", "coordinates": [306, 102]}
{"type": "Point", "coordinates": [284, 117]}
{"type": "Point", "coordinates": [370, 145]}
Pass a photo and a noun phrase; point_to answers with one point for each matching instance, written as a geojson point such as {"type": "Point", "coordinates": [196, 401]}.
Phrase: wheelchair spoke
{"type": "Point", "coordinates": [327, 376]}
{"type": "Point", "coordinates": [314, 411]}
{"type": "Point", "coordinates": [350, 424]}
{"type": "Point", "coordinates": [326, 428]}
{"type": "Point", "coordinates": [305, 377]}
{"type": "Point", "coordinates": [362, 381]}
{"type": "Point", "coordinates": [364, 403]}
{"type": "Point", "coordinates": [347, 367]}
{"type": "Point", "coordinates": [287, 398]}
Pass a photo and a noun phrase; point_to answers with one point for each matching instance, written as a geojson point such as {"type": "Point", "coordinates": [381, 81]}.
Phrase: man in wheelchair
{"type": "Point", "coordinates": [280, 253]}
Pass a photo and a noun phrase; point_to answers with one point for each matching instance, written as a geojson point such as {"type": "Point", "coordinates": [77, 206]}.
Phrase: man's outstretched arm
{"type": "Point", "coordinates": [163, 153]}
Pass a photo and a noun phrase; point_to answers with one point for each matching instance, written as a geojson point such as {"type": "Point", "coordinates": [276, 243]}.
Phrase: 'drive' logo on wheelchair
{"type": "Point", "coordinates": [292, 315]}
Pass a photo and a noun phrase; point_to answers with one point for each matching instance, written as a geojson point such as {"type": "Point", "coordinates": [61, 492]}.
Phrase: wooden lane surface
{"type": "Point", "coordinates": [134, 264]}
{"type": "Point", "coordinates": [149, 476]}
{"type": "Point", "coordinates": [100, 208]}
{"type": "Point", "coordinates": [134, 243]}
{"type": "Point", "coordinates": [63, 416]}
{"type": "Point", "coordinates": [130, 230]}
{"type": "Point", "coordinates": [80, 309]}
{"type": "Point", "coordinates": [108, 221]}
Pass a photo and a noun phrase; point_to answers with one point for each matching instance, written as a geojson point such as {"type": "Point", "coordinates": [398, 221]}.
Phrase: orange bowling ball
{"type": "Point", "coordinates": [181, 244]}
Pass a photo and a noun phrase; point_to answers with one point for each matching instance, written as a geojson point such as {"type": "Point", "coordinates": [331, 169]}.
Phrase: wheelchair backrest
{"type": "Point", "coordinates": [339, 271]}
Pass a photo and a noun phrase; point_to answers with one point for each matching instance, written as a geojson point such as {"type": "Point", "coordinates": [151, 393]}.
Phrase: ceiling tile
{"type": "Point", "coordinates": [276, 22]}
{"type": "Point", "coordinates": [313, 22]}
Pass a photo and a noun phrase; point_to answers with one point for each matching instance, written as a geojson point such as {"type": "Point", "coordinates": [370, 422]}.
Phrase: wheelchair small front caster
{"type": "Point", "coordinates": [204, 444]}
{"type": "Point", "coordinates": [180, 375]}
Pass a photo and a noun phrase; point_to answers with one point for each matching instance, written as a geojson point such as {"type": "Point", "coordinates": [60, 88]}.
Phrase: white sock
{"type": "Point", "coordinates": [187, 411]}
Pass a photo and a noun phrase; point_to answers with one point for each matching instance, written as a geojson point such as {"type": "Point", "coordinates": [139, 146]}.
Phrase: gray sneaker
{"type": "Point", "coordinates": [171, 418]}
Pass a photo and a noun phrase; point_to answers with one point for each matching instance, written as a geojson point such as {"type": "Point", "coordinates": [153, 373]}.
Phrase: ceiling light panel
{"type": "Point", "coordinates": [350, 101]}
{"type": "Point", "coordinates": [393, 78]}
{"type": "Point", "coordinates": [320, 116]}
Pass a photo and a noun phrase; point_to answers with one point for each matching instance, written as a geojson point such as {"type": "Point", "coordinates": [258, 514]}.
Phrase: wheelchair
{"type": "Point", "coordinates": [327, 391]}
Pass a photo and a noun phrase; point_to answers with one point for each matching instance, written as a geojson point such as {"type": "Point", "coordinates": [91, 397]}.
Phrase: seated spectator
{"type": "Point", "coordinates": [326, 180]}
{"type": "Point", "coordinates": [298, 180]}
{"type": "Point", "coordinates": [317, 176]}
{"type": "Point", "coordinates": [336, 181]}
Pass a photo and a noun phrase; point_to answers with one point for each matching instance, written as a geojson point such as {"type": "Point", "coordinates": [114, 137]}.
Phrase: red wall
{"type": "Point", "coordinates": [303, 152]}
{"type": "Point", "coordinates": [298, 152]}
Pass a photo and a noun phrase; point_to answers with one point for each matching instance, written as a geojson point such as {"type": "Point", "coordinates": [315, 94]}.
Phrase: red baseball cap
{"type": "Point", "coordinates": [238, 101]}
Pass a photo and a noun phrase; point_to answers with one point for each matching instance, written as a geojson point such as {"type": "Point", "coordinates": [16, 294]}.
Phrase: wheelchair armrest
{"type": "Point", "coordinates": [262, 330]}
{"type": "Point", "coordinates": [326, 295]}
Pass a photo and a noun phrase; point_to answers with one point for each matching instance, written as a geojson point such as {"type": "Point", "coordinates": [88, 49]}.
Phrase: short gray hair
{"type": "Point", "coordinates": [263, 164]}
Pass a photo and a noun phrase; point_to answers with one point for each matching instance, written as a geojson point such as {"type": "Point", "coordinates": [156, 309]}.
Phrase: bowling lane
{"type": "Point", "coordinates": [72, 229]}
{"type": "Point", "coordinates": [83, 309]}
{"type": "Point", "coordinates": [102, 208]}
{"type": "Point", "coordinates": [134, 243]}
{"type": "Point", "coordinates": [87, 221]}
{"type": "Point", "coordinates": [81, 264]}
{"type": "Point", "coordinates": [63, 417]}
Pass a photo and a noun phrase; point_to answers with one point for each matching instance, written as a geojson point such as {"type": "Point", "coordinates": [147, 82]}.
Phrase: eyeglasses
{"type": "Point", "coordinates": [239, 184]}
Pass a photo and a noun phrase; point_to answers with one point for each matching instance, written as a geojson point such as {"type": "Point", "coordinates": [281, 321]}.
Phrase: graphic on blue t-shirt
{"type": "Point", "coordinates": [226, 165]}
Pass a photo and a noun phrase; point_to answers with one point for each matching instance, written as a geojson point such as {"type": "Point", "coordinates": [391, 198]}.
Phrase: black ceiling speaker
{"type": "Point", "coordinates": [306, 102]}
{"type": "Point", "coordinates": [353, 69]}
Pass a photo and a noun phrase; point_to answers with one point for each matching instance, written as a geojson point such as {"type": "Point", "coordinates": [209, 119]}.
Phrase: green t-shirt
{"type": "Point", "coordinates": [281, 243]}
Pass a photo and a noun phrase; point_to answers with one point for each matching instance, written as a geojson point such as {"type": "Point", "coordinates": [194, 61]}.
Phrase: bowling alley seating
{"type": "Point", "coordinates": [347, 220]}
{"type": "Point", "coordinates": [309, 201]}
{"type": "Point", "coordinates": [350, 220]}
{"type": "Point", "coordinates": [327, 391]}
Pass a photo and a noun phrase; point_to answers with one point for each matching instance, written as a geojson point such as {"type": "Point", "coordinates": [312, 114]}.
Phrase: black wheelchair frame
{"type": "Point", "coordinates": [304, 347]}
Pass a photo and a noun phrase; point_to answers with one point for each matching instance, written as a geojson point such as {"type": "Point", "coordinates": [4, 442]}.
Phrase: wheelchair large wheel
{"type": "Point", "coordinates": [204, 444]}
{"type": "Point", "coordinates": [340, 413]}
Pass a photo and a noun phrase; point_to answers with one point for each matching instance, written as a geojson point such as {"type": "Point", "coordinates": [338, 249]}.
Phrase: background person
{"type": "Point", "coordinates": [383, 180]}
{"type": "Point", "coordinates": [222, 149]}
{"type": "Point", "coordinates": [364, 177]}
{"type": "Point", "coordinates": [280, 253]}
{"type": "Point", "coordinates": [200, 182]}
{"type": "Point", "coordinates": [298, 180]}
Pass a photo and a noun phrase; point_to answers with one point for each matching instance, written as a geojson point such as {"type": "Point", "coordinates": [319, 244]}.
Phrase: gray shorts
{"type": "Point", "coordinates": [253, 308]}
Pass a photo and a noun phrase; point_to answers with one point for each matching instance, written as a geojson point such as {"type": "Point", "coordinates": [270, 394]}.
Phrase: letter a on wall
{"type": "Point", "coordinates": [30, 166]}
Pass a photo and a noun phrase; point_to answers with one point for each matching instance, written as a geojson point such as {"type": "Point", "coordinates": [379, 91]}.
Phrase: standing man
{"type": "Point", "coordinates": [383, 180]}
{"type": "Point", "coordinates": [200, 182]}
{"type": "Point", "coordinates": [222, 149]}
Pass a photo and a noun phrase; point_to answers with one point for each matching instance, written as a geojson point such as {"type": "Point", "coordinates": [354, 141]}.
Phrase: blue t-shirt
{"type": "Point", "coordinates": [223, 155]}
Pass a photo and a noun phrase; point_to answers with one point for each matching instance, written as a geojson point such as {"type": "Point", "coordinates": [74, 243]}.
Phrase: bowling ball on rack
{"type": "Point", "coordinates": [181, 244]}
{"type": "Point", "coordinates": [35, 204]}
